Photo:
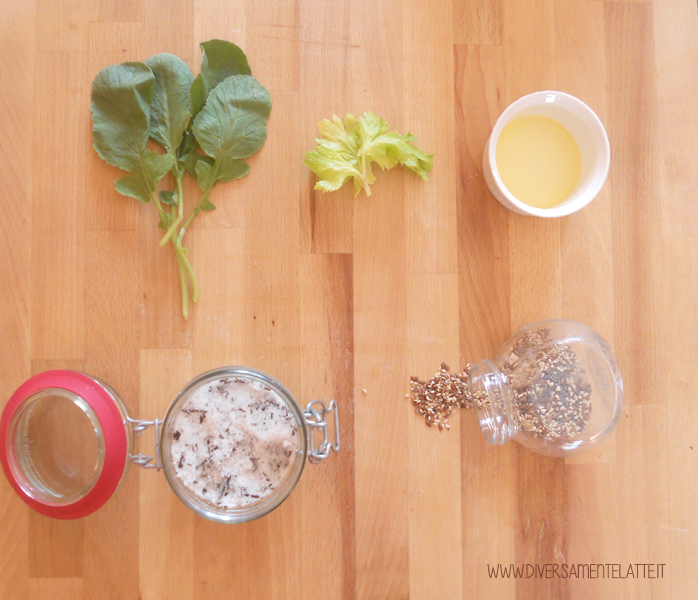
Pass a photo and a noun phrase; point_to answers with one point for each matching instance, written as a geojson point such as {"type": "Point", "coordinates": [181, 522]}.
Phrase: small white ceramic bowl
{"type": "Point", "coordinates": [587, 130]}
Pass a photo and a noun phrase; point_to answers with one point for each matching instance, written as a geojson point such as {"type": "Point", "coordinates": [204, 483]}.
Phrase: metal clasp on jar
{"type": "Point", "coordinates": [316, 418]}
{"type": "Point", "coordinates": [144, 460]}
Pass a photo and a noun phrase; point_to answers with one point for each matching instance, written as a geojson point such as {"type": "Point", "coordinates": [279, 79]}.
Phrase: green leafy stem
{"type": "Point", "coordinates": [175, 218]}
{"type": "Point", "coordinates": [206, 124]}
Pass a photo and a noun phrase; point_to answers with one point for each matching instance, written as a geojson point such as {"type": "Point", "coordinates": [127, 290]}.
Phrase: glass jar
{"type": "Point", "coordinates": [554, 387]}
{"type": "Point", "coordinates": [67, 441]}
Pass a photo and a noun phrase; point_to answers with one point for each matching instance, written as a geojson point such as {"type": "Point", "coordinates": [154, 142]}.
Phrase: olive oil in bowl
{"type": "Point", "coordinates": [538, 160]}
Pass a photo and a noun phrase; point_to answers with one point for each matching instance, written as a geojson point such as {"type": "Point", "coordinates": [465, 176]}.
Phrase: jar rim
{"type": "Point", "coordinates": [496, 415]}
{"type": "Point", "coordinates": [111, 427]}
{"type": "Point", "coordinates": [29, 477]}
{"type": "Point", "coordinates": [267, 503]}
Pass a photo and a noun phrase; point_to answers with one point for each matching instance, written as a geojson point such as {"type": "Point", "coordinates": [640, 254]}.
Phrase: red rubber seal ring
{"type": "Point", "coordinates": [113, 429]}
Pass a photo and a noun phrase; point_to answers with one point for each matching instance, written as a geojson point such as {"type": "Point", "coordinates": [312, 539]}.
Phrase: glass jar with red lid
{"type": "Point", "coordinates": [233, 443]}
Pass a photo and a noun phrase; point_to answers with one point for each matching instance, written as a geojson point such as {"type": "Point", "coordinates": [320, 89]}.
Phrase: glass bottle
{"type": "Point", "coordinates": [555, 387]}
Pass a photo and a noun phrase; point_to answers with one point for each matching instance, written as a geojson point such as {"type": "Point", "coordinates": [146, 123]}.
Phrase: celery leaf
{"type": "Point", "coordinates": [346, 150]}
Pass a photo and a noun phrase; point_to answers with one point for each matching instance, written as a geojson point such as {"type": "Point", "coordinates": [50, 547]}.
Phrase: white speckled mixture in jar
{"type": "Point", "coordinates": [233, 442]}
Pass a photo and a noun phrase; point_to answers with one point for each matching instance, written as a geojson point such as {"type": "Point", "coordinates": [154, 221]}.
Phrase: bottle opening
{"type": "Point", "coordinates": [492, 402]}
{"type": "Point", "coordinates": [57, 447]}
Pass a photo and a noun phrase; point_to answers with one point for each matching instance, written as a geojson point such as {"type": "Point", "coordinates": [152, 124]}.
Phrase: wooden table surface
{"type": "Point", "coordinates": [345, 298]}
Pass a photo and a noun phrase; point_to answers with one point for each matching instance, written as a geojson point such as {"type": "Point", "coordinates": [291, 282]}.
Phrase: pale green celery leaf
{"type": "Point", "coordinates": [347, 150]}
{"type": "Point", "coordinates": [121, 98]}
{"type": "Point", "coordinates": [370, 180]}
{"type": "Point", "coordinates": [379, 152]}
{"type": "Point", "coordinates": [350, 122]}
{"type": "Point", "coordinates": [141, 183]}
{"type": "Point", "coordinates": [409, 156]}
{"type": "Point", "coordinates": [390, 149]}
{"type": "Point", "coordinates": [420, 167]}
{"type": "Point", "coordinates": [232, 124]}
{"type": "Point", "coordinates": [357, 186]}
{"type": "Point", "coordinates": [369, 127]}
{"type": "Point", "coordinates": [208, 206]}
{"type": "Point", "coordinates": [335, 133]}
{"type": "Point", "coordinates": [332, 168]}
{"type": "Point", "coordinates": [221, 60]}
{"type": "Point", "coordinates": [169, 111]}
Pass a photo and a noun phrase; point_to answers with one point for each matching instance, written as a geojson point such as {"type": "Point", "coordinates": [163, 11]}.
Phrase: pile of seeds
{"type": "Point", "coordinates": [550, 391]}
{"type": "Point", "coordinates": [437, 399]}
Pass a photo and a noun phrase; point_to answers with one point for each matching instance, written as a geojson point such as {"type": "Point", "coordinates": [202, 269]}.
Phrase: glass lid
{"type": "Point", "coordinates": [63, 444]}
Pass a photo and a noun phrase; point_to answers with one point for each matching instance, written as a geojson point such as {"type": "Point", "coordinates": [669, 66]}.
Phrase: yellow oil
{"type": "Point", "coordinates": [538, 160]}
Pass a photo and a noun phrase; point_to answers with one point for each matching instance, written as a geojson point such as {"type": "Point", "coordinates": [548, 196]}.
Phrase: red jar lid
{"type": "Point", "coordinates": [107, 422]}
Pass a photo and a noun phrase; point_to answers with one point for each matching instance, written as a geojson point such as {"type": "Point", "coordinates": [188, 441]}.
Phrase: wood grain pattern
{"type": "Point", "coordinates": [166, 526]}
{"type": "Point", "coordinates": [636, 266]}
{"type": "Point", "coordinates": [344, 298]}
{"type": "Point", "coordinates": [57, 233]}
{"type": "Point", "coordinates": [326, 226]}
{"type": "Point", "coordinates": [327, 354]}
{"type": "Point", "coordinates": [63, 588]}
{"type": "Point", "coordinates": [434, 469]}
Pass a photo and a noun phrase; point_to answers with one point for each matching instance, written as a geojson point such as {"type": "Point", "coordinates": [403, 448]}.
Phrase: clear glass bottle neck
{"type": "Point", "coordinates": [492, 401]}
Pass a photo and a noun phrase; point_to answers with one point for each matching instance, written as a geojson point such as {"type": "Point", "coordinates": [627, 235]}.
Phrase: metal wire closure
{"type": "Point", "coordinates": [316, 418]}
{"type": "Point", "coordinates": [143, 460]}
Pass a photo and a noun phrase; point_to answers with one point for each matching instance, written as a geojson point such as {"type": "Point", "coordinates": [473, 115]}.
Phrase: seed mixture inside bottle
{"type": "Point", "coordinates": [550, 391]}
{"type": "Point", "coordinates": [233, 442]}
